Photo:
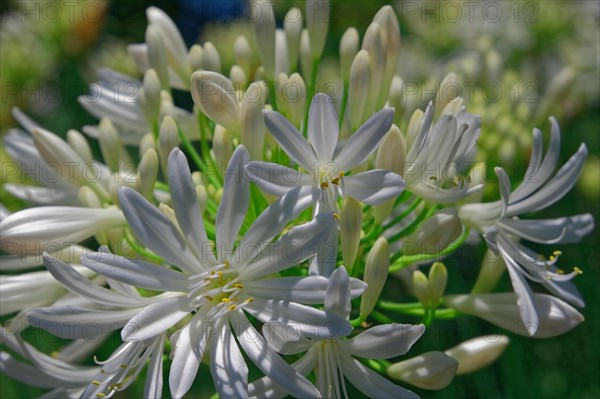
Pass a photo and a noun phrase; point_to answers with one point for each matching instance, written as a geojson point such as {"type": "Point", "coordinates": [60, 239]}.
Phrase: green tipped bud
{"type": "Point", "coordinates": [420, 285]}
{"type": "Point", "coordinates": [438, 277]}
{"type": "Point", "coordinates": [243, 54]}
{"type": "Point", "coordinates": [168, 139]}
{"type": "Point", "coordinates": [350, 229]}
{"type": "Point", "coordinates": [147, 173]}
{"type": "Point", "coordinates": [195, 57]}
{"type": "Point", "coordinates": [253, 123]}
{"type": "Point", "coordinates": [477, 353]}
{"type": "Point", "coordinates": [292, 25]}
{"type": "Point", "coordinates": [431, 370]}
{"type": "Point", "coordinates": [222, 147]}
{"type": "Point", "coordinates": [305, 55]}
{"type": "Point", "coordinates": [147, 142]}
{"type": "Point", "coordinates": [317, 24]}
{"type": "Point", "coordinates": [358, 88]}
{"type": "Point", "coordinates": [110, 144]}
{"type": "Point", "coordinates": [492, 268]}
{"type": "Point", "coordinates": [434, 234]}
{"type": "Point", "coordinates": [211, 61]}
{"type": "Point", "coordinates": [238, 77]}
{"type": "Point", "coordinates": [150, 96]}
{"type": "Point", "coordinates": [391, 155]}
{"type": "Point", "coordinates": [202, 196]}
{"type": "Point", "coordinates": [348, 50]}
{"type": "Point", "coordinates": [414, 127]}
{"type": "Point", "coordinates": [157, 55]}
{"type": "Point", "coordinates": [80, 145]}
{"type": "Point", "coordinates": [376, 271]}
{"type": "Point", "coordinates": [395, 99]}
{"type": "Point", "coordinates": [295, 94]}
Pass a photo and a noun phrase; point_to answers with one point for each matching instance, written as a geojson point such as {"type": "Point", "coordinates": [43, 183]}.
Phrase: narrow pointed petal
{"type": "Point", "coordinates": [338, 296]}
{"type": "Point", "coordinates": [189, 350]}
{"type": "Point", "coordinates": [323, 128]}
{"type": "Point", "coordinates": [384, 341]}
{"type": "Point", "coordinates": [156, 318]}
{"type": "Point", "coordinates": [154, 376]}
{"type": "Point", "coordinates": [373, 187]}
{"type": "Point", "coordinates": [276, 179]}
{"type": "Point", "coordinates": [290, 140]}
{"type": "Point", "coordinates": [564, 230]}
{"type": "Point", "coordinates": [227, 365]}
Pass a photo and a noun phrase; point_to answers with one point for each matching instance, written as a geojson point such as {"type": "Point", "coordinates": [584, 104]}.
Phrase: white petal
{"type": "Point", "coordinates": [214, 95]}
{"type": "Point", "coordinates": [234, 204]}
{"type": "Point", "coordinates": [189, 348]}
{"type": "Point", "coordinates": [364, 141]}
{"type": "Point", "coordinates": [384, 341]}
{"type": "Point", "coordinates": [374, 186]}
{"type": "Point", "coordinates": [276, 179]}
{"type": "Point", "coordinates": [227, 365]}
{"type": "Point", "coordinates": [323, 128]}
{"type": "Point", "coordinates": [290, 140]}
{"type": "Point", "coordinates": [564, 230]}
{"type": "Point", "coordinates": [187, 207]}
{"type": "Point", "coordinates": [156, 318]}
{"type": "Point", "coordinates": [270, 362]}
{"type": "Point", "coordinates": [154, 375]}
{"type": "Point", "coordinates": [31, 375]}
{"type": "Point", "coordinates": [337, 299]}
{"type": "Point", "coordinates": [135, 272]}
{"type": "Point", "coordinates": [156, 231]}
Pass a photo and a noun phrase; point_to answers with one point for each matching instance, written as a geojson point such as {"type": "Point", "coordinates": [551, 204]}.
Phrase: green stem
{"type": "Point", "coordinates": [344, 103]}
{"type": "Point", "coordinates": [412, 226]}
{"type": "Point", "coordinates": [273, 95]}
{"type": "Point", "coordinates": [404, 214]}
{"type": "Point", "coordinates": [399, 306]}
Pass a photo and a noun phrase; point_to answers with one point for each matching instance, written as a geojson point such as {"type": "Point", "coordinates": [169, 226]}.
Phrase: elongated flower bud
{"type": "Point", "coordinates": [282, 62]}
{"type": "Point", "coordinates": [147, 173]}
{"type": "Point", "coordinates": [110, 144]}
{"type": "Point", "coordinates": [168, 139]}
{"type": "Point", "coordinates": [420, 285]}
{"type": "Point", "coordinates": [434, 234]}
{"type": "Point", "coordinates": [292, 25]}
{"type": "Point", "coordinates": [477, 353]}
{"type": "Point", "coordinates": [243, 53]}
{"type": "Point", "coordinates": [395, 97]}
{"type": "Point", "coordinates": [414, 127]}
{"type": "Point", "coordinates": [556, 317]}
{"type": "Point", "coordinates": [373, 42]}
{"type": "Point", "coordinates": [376, 271]}
{"type": "Point", "coordinates": [350, 228]}
{"type": "Point", "coordinates": [348, 50]}
{"type": "Point", "coordinates": [175, 47]}
{"type": "Point", "coordinates": [157, 55]}
{"type": "Point", "coordinates": [80, 145]}
{"type": "Point", "coordinates": [195, 57]}
{"type": "Point", "coordinates": [390, 29]}
{"type": "Point", "coordinates": [147, 142]}
{"type": "Point", "coordinates": [202, 196]}
{"type": "Point", "coordinates": [438, 277]}
{"type": "Point", "coordinates": [252, 120]}
{"type": "Point", "coordinates": [448, 90]}
{"type": "Point", "coordinates": [431, 370]}
{"type": "Point", "coordinates": [305, 55]}
{"type": "Point", "coordinates": [492, 268]}
{"type": "Point", "coordinates": [295, 94]}
{"type": "Point", "coordinates": [317, 24]}
{"type": "Point", "coordinates": [90, 199]}
{"type": "Point", "coordinates": [211, 61]}
{"type": "Point", "coordinates": [214, 95]}
{"type": "Point", "coordinates": [150, 96]}
{"type": "Point", "coordinates": [391, 156]}
{"type": "Point", "coordinates": [222, 147]}
{"type": "Point", "coordinates": [263, 19]}
{"type": "Point", "coordinates": [358, 89]}
{"type": "Point", "coordinates": [238, 77]}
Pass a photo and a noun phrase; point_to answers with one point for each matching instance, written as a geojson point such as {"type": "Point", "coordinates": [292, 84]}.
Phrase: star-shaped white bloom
{"type": "Point", "coordinates": [502, 228]}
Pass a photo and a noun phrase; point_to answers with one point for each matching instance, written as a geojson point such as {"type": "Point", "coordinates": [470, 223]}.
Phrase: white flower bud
{"type": "Point", "coordinates": [358, 89]}
{"type": "Point", "coordinates": [391, 156]}
{"type": "Point", "coordinates": [282, 62]}
{"type": "Point", "coordinates": [147, 173]}
{"type": "Point", "coordinates": [222, 147]}
{"type": "Point", "coordinates": [350, 229]}
{"type": "Point", "coordinates": [168, 139]}
{"type": "Point", "coordinates": [210, 58]}
{"type": "Point", "coordinates": [295, 94]}
{"type": "Point", "coordinates": [556, 317]}
{"type": "Point", "coordinates": [150, 96]}
{"type": "Point", "coordinates": [395, 97]}
{"type": "Point", "coordinates": [110, 144]}
{"type": "Point", "coordinates": [438, 277]}
{"type": "Point", "coordinates": [139, 55]}
{"type": "Point", "coordinates": [414, 127]}
{"type": "Point", "coordinates": [478, 353]}
{"type": "Point", "coordinates": [431, 370]}
{"type": "Point", "coordinates": [147, 142]}
{"type": "Point", "coordinates": [449, 90]}
{"type": "Point", "coordinates": [282, 95]}
{"type": "Point", "coordinates": [121, 179]}
{"type": "Point", "coordinates": [238, 77]}
{"type": "Point", "coordinates": [348, 50]}
{"type": "Point", "coordinates": [317, 24]}
{"type": "Point", "coordinates": [167, 108]}
{"type": "Point", "coordinates": [292, 25]}
{"type": "Point", "coordinates": [420, 285]}
{"type": "Point", "coordinates": [434, 234]}
{"type": "Point", "coordinates": [253, 123]}
{"type": "Point", "coordinates": [157, 55]}
{"type": "Point", "coordinates": [89, 198]}
{"type": "Point", "coordinates": [259, 74]}
{"type": "Point", "coordinates": [390, 29]}
{"type": "Point", "coordinates": [175, 47]}
{"type": "Point", "coordinates": [376, 271]}
{"type": "Point", "coordinates": [373, 42]}
{"type": "Point", "coordinates": [58, 153]}
{"type": "Point", "coordinates": [214, 95]}
{"type": "Point", "coordinates": [492, 268]}
{"type": "Point", "coordinates": [243, 53]}
{"type": "Point", "coordinates": [263, 19]}
{"type": "Point", "coordinates": [195, 57]}
{"type": "Point", "coordinates": [202, 196]}
{"type": "Point", "coordinates": [80, 145]}
{"type": "Point", "coordinates": [305, 55]}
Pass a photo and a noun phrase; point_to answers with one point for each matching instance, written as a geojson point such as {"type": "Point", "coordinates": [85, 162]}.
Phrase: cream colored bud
{"type": "Point", "coordinates": [110, 144]}
{"type": "Point", "coordinates": [305, 55]}
{"type": "Point", "coordinates": [263, 20]}
{"type": "Point", "coordinates": [147, 142]}
{"type": "Point", "coordinates": [222, 147]}
{"type": "Point", "coordinates": [317, 25]}
{"type": "Point", "coordinates": [391, 156]}
{"type": "Point", "coordinates": [434, 234]}
{"type": "Point", "coordinates": [348, 50]}
{"type": "Point", "coordinates": [197, 178]}
{"type": "Point", "coordinates": [292, 25]}
{"type": "Point", "coordinates": [253, 124]}
{"type": "Point", "coordinates": [118, 180]}
{"type": "Point", "coordinates": [390, 29]}
{"type": "Point", "coordinates": [376, 271]}
{"type": "Point", "coordinates": [210, 58]}
{"type": "Point", "coordinates": [350, 229]}
{"type": "Point", "coordinates": [477, 353]}
{"type": "Point", "coordinates": [167, 140]}
{"type": "Point", "coordinates": [218, 195]}
{"type": "Point", "coordinates": [214, 95]}
{"type": "Point", "coordinates": [202, 196]}
{"type": "Point", "coordinates": [454, 106]}
{"type": "Point", "coordinates": [374, 43]}
{"type": "Point", "coordinates": [167, 107]}
{"type": "Point", "coordinates": [80, 145]}
{"type": "Point", "coordinates": [170, 214]}
{"type": "Point", "coordinates": [242, 53]}
{"type": "Point", "coordinates": [259, 74]}
{"type": "Point", "coordinates": [89, 198]}
{"type": "Point", "coordinates": [195, 57]}
{"type": "Point", "coordinates": [282, 62]}
{"type": "Point", "coordinates": [147, 173]}
{"type": "Point", "coordinates": [157, 55]}
{"type": "Point", "coordinates": [282, 96]}
{"type": "Point", "coordinates": [238, 77]}
{"type": "Point", "coordinates": [492, 268]}
{"type": "Point", "coordinates": [414, 127]}
{"type": "Point", "coordinates": [438, 277]}
{"type": "Point", "coordinates": [395, 97]}
{"type": "Point", "coordinates": [448, 90]}
{"type": "Point", "coordinates": [358, 89]}
{"type": "Point", "coordinates": [431, 370]}
{"type": "Point", "coordinates": [175, 47]}
{"type": "Point", "coordinates": [150, 96]}
{"type": "Point", "coordinates": [295, 94]}
{"type": "Point", "coordinates": [556, 317]}
{"type": "Point", "coordinates": [420, 285]}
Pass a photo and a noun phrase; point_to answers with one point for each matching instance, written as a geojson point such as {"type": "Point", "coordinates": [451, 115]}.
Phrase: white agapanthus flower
{"type": "Point", "coordinates": [214, 293]}
{"type": "Point", "coordinates": [333, 360]}
{"type": "Point", "coordinates": [499, 223]}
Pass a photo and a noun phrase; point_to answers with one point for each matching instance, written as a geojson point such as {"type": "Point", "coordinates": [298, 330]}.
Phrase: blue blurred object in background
{"type": "Point", "coordinates": [194, 13]}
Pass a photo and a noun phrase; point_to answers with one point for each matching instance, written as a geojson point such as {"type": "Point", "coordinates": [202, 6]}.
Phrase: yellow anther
{"type": "Point", "coordinates": [577, 270]}
{"type": "Point", "coordinates": [220, 275]}
{"type": "Point", "coordinates": [238, 286]}
{"type": "Point", "coordinates": [336, 181]}
{"type": "Point", "coordinates": [556, 253]}
{"type": "Point", "coordinates": [336, 216]}
{"type": "Point", "coordinates": [324, 185]}
{"type": "Point", "coordinates": [124, 366]}
{"type": "Point", "coordinates": [433, 178]}
{"type": "Point", "coordinates": [548, 277]}
{"type": "Point", "coordinates": [208, 297]}
{"type": "Point", "coordinates": [102, 371]}
{"type": "Point", "coordinates": [212, 272]}
{"type": "Point", "coordinates": [227, 300]}
{"type": "Point", "coordinates": [226, 264]}
{"type": "Point", "coordinates": [342, 174]}
{"type": "Point", "coordinates": [100, 395]}
{"type": "Point", "coordinates": [231, 307]}
{"type": "Point", "coordinates": [552, 257]}
{"type": "Point", "coordinates": [96, 382]}
{"type": "Point", "coordinates": [560, 271]}
{"type": "Point", "coordinates": [249, 300]}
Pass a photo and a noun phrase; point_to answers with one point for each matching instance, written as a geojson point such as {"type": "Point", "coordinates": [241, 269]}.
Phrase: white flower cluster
{"type": "Point", "coordinates": [276, 248]}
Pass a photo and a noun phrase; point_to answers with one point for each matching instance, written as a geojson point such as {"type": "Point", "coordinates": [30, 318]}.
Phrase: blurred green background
{"type": "Point", "coordinates": [543, 54]}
